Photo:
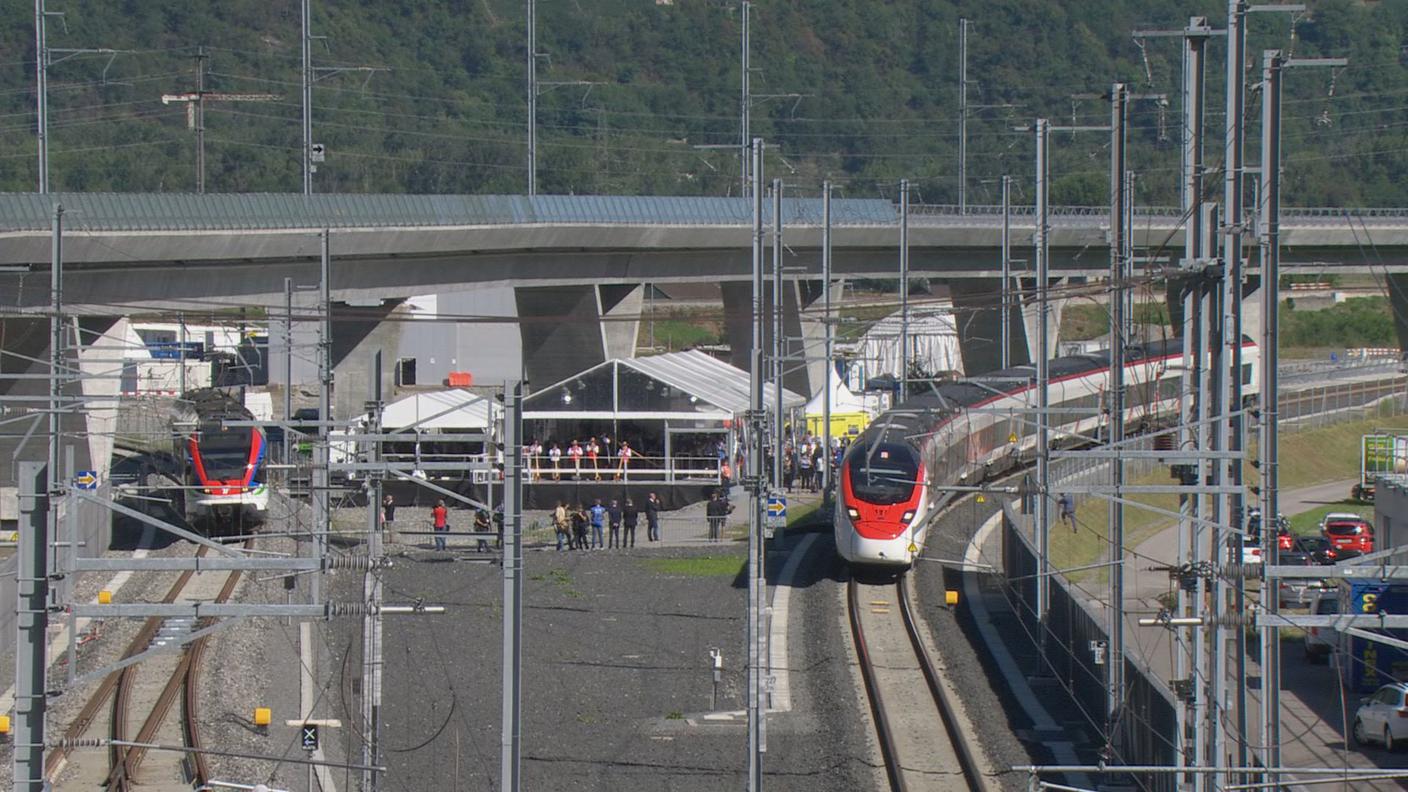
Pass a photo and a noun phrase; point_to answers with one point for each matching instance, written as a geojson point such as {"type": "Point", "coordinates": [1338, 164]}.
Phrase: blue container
{"type": "Point", "coordinates": [1366, 665]}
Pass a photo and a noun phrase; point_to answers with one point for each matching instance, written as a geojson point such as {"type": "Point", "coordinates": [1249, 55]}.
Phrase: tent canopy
{"type": "Point", "coordinates": [689, 382]}
{"type": "Point", "coordinates": [842, 399]}
{"type": "Point", "coordinates": [448, 409]}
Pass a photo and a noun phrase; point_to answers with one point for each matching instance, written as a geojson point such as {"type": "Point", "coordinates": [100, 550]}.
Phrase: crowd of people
{"type": "Point", "coordinates": [612, 526]}
{"type": "Point", "coordinates": [591, 457]}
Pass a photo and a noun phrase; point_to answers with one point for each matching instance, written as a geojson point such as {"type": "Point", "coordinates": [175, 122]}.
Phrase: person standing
{"type": "Point", "coordinates": [388, 510]}
{"type": "Point", "coordinates": [624, 472]}
{"type": "Point", "coordinates": [555, 457]}
{"type": "Point", "coordinates": [598, 516]}
{"type": "Point", "coordinates": [613, 519]}
{"type": "Point", "coordinates": [575, 453]}
{"type": "Point", "coordinates": [593, 450]}
{"type": "Point", "coordinates": [1066, 510]}
{"type": "Point", "coordinates": [561, 526]}
{"type": "Point", "coordinates": [440, 522]}
{"type": "Point", "coordinates": [578, 540]}
{"type": "Point", "coordinates": [714, 513]}
{"type": "Point", "coordinates": [652, 518]}
{"type": "Point", "coordinates": [804, 466]}
{"type": "Point", "coordinates": [481, 528]}
{"type": "Point", "coordinates": [630, 517]}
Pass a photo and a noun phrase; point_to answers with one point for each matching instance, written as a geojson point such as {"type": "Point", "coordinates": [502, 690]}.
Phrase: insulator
{"type": "Point", "coordinates": [71, 743]}
{"type": "Point", "coordinates": [353, 563]}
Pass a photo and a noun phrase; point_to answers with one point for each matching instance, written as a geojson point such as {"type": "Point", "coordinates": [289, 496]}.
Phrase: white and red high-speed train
{"type": "Point", "coordinates": [892, 478]}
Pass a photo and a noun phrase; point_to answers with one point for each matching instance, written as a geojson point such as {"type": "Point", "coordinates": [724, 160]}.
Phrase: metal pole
{"type": "Point", "coordinates": [307, 17]}
{"type": "Point", "coordinates": [756, 475]}
{"type": "Point", "coordinates": [829, 338]}
{"type": "Point", "coordinates": [511, 757]}
{"type": "Point", "coordinates": [1232, 311]}
{"type": "Point", "coordinates": [963, 116]}
{"type": "Point", "coordinates": [41, 90]}
{"type": "Point", "coordinates": [1194, 103]}
{"type": "Point", "coordinates": [1043, 520]}
{"type": "Point", "coordinates": [532, 97]}
{"type": "Point", "coordinates": [200, 120]}
{"type": "Point", "coordinates": [745, 106]}
{"type": "Point", "coordinates": [1114, 660]}
{"type": "Point", "coordinates": [904, 290]}
{"type": "Point", "coordinates": [371, 591]}
{"type": "Point", "coordinates": [1270, 227]}
{"type": "Point", "coordinates": [181, 352]}
{"type": "Point", "coordinates": [779, 431]}
{"type": "Point", "coordinates": [1004, 329]}
{"type": "Point", "coordinates": [288, 367]}
{"type": "Point", "coordinates": [322, 514]}
{"type": "Point", "coordinates": [57, 355]}
{"type": "Point", "coordinates": [32, 622]}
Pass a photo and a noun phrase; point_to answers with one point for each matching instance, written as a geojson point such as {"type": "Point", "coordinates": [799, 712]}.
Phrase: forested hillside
{"type": "Point", "coordinates": [638, 95]}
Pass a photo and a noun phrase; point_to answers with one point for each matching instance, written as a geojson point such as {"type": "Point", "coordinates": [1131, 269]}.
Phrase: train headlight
{"type": "Point", "coordinates": [852, 513]}
{"type": "Point", "coordinates": [907, 517]}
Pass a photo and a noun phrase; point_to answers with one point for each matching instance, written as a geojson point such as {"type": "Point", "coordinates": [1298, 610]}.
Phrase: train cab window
{"type": "Point", "coordinates": [883, 474]}
{"type": "Point", "coordinates": [1246, 373]}
{"type": "Point", "coordinates": [224, 455]}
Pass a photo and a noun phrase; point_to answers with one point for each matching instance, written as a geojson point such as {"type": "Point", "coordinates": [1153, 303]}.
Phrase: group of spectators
{"type": "Point", "coordinates": [611, 526]}
{"type": "Point", "coordinates": [803, 462]}
{"type": "Point", "coordinates": [594, 455]}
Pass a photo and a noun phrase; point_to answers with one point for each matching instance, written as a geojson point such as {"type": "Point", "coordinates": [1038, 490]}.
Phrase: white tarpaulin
{"type": "Point", "coordinates": [448, 409]}
{"type": "Point", "coordinates": [842, 399]}
{"type": "Point", "coordinates": [933, 343]}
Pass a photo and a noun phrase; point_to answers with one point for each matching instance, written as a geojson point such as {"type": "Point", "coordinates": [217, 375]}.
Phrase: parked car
{"type": "Point", "coordinates": [1320, 641]}
{"type": "Point", "coordinates": [1322, 550]}
{"type": "Point", "coordinates": [1348, 532]}
{"type": "Point", "coordinates": [1297, 592]}
{"type": "Point", "coordinates": [1383, 717]}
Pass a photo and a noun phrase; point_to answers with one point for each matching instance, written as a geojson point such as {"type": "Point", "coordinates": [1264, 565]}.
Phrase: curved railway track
{"type": "Point", "coordinates": [123, 687]}
{"type": "Point", "coordinates": [923, 745]}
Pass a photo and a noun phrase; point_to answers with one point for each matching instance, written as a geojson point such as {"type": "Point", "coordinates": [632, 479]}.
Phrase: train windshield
{"type": "Point", "coordinates": [883, 474]}
{"type": "Point", "coordinates": [226, 453]}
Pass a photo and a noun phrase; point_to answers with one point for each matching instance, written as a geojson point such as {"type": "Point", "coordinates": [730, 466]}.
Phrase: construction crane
{"type": "Point", "coordinates": [195, 111]}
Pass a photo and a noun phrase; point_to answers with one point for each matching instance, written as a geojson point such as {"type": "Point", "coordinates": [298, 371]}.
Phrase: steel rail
{"type": "Point", "coordinates": [872, 691]}
{"type": "Point", "coordinates": [90, 710]}
{"type": "Point", "coordinates": [967, 758]}
{"type": "Point", "coordinates": [186, 677]}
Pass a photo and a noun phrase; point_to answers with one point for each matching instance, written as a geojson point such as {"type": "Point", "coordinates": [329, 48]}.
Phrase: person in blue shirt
{"type": "Point", "coordinates": [598, 517]}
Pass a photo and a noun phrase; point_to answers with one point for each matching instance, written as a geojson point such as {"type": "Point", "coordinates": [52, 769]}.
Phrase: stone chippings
{"type": "Point", "coordinates": [967, 662]}
{"type": "Point", "coordinates": [617, 679]}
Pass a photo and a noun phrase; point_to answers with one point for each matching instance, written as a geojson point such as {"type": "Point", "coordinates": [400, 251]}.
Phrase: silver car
{"type": "Point", "coordinates": [1321, 641]}
{"type": "Point", "coordinates": [1383, 717]}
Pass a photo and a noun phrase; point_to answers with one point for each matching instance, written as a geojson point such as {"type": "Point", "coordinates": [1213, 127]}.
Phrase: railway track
{"type": "Point", "coordinates": [154, 685]}
{"type": "Point", "coordinates": [924, 747]}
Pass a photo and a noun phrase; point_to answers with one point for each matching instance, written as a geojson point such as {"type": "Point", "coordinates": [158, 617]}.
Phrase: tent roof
{"type": "Point", "coordinates": [697, 374]}
{"type": "Point", "coordinates": [707, 377]}
{"type": "Point", "coordinates": [447, 409]}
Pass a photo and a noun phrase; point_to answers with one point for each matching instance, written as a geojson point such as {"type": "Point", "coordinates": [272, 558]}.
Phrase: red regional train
{"type": "Point", "coordinates": [893, 477]}
{"type": "Point", "coordinates": [222, 486]}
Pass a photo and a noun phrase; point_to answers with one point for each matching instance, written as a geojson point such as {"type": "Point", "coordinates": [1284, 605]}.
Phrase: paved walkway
{"type": "Point", "coordinates": [1314, 712]}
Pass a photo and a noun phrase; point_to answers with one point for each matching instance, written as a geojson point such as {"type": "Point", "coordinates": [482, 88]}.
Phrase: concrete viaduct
{"type": "Point", "coordinates": [570, 261]}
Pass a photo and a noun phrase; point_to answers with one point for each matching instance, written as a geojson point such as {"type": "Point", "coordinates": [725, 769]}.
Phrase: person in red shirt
{"type": "Point", "coordinates": [441, 517]}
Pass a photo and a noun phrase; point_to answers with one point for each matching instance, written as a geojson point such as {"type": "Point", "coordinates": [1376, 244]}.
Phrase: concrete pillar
{"type": "Point", "coordinates": [977, 313]}
{"type": "Point", "coordinates": [1030, 307]}
{"type": "Point", "coordinates": [490, 348]}
{"type": "Point", "coordinates": [567, 329]}
{"type": "Point", "coordinates": [1398, 300]}
{"type": "Point", "coordinates": [359, 331]}
{"type": "Point", "coordinates": [802, 322]}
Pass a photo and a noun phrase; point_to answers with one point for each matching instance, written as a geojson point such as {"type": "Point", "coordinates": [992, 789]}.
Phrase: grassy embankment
{"type": "Point", "coordinates": [1307, 457]}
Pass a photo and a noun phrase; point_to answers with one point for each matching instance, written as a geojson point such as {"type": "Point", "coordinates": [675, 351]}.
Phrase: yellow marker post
{"type": "Point", "coordinates": [104, 597]}
{"type": "Point", "coordinates": [4, 724]}
{"type": "Point", "coordinates": [262, 716]}
{"type": "Point", "coordinates": [950, 597]}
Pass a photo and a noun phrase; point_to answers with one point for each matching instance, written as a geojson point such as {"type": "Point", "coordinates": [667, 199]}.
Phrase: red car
{"type": "Point", "coordinates": [1348, 532]}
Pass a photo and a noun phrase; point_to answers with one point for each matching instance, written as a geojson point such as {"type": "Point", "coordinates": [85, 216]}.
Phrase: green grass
{"type": "Point", "coordinates": [698, 566]}
{"type": "Point", "coordinates": [1084, 321]}
{"type": "Point", "coordinates": [802, 513]}
{"type": "Point", "coordinates": [1310, 456]}
{"type": "Point", "coordinates": [1308, 522]}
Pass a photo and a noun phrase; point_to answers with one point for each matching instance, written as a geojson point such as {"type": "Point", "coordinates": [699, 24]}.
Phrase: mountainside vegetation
{"type": "Point", "coordinates": [643, 96]}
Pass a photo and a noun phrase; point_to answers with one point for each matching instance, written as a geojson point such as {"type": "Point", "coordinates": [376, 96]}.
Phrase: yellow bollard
{"type": "Point", "coordinates": [4, 725]}
{"type": "Point", "coordinates": [104, 597]}
{"type": "Point", "coordinates": [262, 716]}
{"type": "Point", "coordinates": [950, 597]}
